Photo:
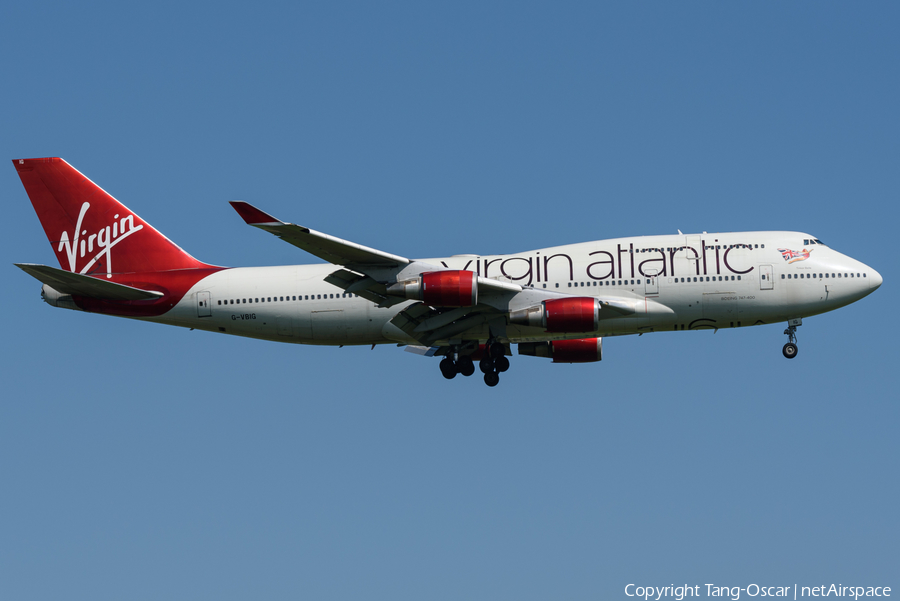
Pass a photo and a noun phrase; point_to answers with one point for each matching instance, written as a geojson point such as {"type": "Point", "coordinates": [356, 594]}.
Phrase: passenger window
{"type": "Point", "coordinates": [782, 276]}
{"type": "Point", "coordinates": [557, 284]}
{"type": "Point", "coordinates": [739, 277]}
{"type": "Point", "coordinates": [220, 302]}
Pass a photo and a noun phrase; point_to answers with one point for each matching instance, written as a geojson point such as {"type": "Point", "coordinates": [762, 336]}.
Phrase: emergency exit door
{"type": "Point", "coordinates": [203, 308]}
{"type": "Point", "coordinates": [766, 277]}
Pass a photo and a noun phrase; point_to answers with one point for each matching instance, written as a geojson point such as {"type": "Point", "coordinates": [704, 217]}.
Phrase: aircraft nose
{"type": "Point", "coordinates": [874, 279]}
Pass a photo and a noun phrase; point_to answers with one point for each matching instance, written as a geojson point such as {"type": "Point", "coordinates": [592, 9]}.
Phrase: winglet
{"type": "Point", "coordinates": [252, 215]}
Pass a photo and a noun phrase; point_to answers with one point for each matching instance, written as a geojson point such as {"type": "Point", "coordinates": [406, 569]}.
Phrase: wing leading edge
{"type": "Point", "coordinates": [334, 250]}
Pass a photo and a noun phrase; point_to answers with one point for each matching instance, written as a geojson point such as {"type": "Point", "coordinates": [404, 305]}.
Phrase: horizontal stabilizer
{"type": "Point", "coordinates": [67, 282]}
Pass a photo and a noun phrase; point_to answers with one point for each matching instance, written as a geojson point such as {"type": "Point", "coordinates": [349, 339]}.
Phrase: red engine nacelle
{"type": "Point", "coordinates": [577, 314]}
{"type": "Point", "coordinates": [452, 288]}
{"type": "Point", "coordinates": [582, 350]}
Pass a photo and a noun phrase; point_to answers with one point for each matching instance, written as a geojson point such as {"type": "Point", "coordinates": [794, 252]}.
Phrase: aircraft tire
{"type": "Point", "coordinates": [501, 363]}
{"type": "Point", "coordinates": [465, 366]}
{"type": "Point", "coordinates": [789, 350]}
{"type": "Point", "coordinates": [448, 368]}
{"type": "Point", "coordinates": [492, 378]}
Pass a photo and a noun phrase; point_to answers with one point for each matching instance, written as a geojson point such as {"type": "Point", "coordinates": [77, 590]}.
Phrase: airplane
{"type": "Point", "coordinates": [557, 303]}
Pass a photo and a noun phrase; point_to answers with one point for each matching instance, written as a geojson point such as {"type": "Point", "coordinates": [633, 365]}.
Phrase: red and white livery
{"type": "Point", "coordinates": [556, 303]}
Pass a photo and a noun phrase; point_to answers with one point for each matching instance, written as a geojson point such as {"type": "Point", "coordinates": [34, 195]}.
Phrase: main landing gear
{"type": "Point", "coordinates": [462, 365]}
{"type": "Point", "coordinates": [790, 349]}
{"type": "Point", "coordinates": [492, 364]}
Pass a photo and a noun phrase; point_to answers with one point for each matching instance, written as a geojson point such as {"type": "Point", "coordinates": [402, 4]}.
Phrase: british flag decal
{"type": "Point", "coordinates": [792, 256]}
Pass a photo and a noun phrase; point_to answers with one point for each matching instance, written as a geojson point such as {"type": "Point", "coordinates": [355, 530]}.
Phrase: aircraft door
{"type": "Point", "coordinates": [203, 308]}
{"type": "Point", "coordinates": [766, 277]}
{"type": "Point", "coordinates": [652, 283]}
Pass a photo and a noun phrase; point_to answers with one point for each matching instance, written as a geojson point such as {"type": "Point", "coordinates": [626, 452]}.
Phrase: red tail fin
{"type": "Point", "coordinates": [90, 231]}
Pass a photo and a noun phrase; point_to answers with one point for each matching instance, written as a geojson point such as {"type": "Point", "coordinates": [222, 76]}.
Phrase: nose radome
{"type": "Point", "coordinates": [874, 279]}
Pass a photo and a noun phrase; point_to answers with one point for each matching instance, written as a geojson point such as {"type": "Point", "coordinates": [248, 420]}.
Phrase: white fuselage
{"type": "Point", "coordinates": [675, 282]}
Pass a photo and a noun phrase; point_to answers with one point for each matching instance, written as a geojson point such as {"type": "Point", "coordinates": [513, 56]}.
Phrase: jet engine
{"type": "Point", "coordinates": [577, 314]}
{"type": "Point", "coordinates": [582, 350]}
{"type": "Point", "coordinates": [452, 288]}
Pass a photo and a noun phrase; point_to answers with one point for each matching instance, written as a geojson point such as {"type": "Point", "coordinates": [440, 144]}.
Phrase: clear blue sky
{"type": "Point", "coordinates": [140, 461]}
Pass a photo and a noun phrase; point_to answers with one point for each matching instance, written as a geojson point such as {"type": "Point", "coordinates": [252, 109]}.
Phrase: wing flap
{"type": "Point", "coordinates": [67, 282]}
{"type": "Point", "coordinates": [363, 286]}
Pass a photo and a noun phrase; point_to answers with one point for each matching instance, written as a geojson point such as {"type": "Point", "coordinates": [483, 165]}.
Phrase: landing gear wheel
{"type": "Point", "coordinates": [492, 378]}
{"type": "Point", "coordinates": [501, 363]}
{"type": "Point", "coordinates": [789, 350]}
{"type": "Point", "coordinates": [497, 350]}
{"type": "Point", "coordinates": [448, 368]}
{"type": "Point", "coordinates": [486, 365]}
{"type": "Point", "coordinates": [465, 366]}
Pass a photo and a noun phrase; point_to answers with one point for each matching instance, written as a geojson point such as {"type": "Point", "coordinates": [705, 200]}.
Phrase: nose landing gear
{"type": "Point", "coordinates": [790, 349]}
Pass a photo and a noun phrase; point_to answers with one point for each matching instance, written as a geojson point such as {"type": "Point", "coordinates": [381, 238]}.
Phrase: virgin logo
{"type": "Point", "coordinates": [82, 244]}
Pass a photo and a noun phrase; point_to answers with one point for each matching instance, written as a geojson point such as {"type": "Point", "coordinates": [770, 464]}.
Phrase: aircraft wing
{"type": "Point", "coordinates": [334, 250]}
{"type": "Point", "coordinates": [67, 282]}
{"type": "Point", "coordinates": [368, 267]}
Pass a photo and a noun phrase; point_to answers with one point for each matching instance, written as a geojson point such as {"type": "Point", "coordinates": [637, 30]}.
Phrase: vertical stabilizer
{"type": "Point", "coordinates": [90, 231]}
